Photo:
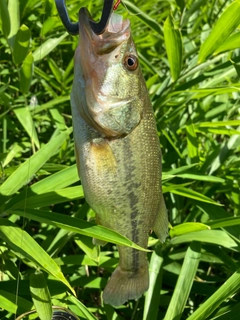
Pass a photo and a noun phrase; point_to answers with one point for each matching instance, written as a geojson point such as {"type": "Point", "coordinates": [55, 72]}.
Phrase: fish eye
{"type": "Point", "coordinates": [130, 62]}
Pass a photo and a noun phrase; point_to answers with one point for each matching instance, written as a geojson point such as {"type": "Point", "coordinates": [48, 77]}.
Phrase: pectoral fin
{"type": "Point", "coordinates": [102, 156]}
{"type": "Point", "coordinates": [161, 223]}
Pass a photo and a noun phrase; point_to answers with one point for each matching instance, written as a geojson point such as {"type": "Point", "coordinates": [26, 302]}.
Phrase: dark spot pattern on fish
{"type": "Point", "coordinates": [132, 188]}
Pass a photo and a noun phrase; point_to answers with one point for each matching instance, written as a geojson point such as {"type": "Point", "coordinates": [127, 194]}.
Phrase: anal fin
{"type": "Point", "coordinates": [161, 223]}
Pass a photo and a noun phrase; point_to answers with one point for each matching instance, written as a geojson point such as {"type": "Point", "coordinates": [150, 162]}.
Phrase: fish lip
{"type": "Point", "coordinates": [105, 42]}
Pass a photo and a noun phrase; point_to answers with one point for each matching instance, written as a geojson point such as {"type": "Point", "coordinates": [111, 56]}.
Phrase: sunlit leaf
{"type": "Point", "coordinates": [226, 24]}
{"type": "Point", "coordinates": [217, 237]}
{"type": "Point", "coordinates": [184, 282]}
{"type": "Point", "coordinates": [78, 226]}
{"type": "Point", "coordinates": [152, 297]}
{"type": "Point", "coordinates": [24, 173]}
{"type": "Point", "coordinates": [14, 16]}
{"type": "Point", "coordinates": [187, 227]}
{"type": "Point", "coordinates": [47, 47]}
{"type": "Point", "coordinates": [41, 295]}
{"type": "Point", "coordinates": [81, 307]}
{"type": "Point", "coordinates": [228, 289]}
{"type": "Point", "coordinates": [24, 244]}
{"type": "Point", "coordinates": [173, 42]}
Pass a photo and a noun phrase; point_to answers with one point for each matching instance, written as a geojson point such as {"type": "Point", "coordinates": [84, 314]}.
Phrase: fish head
{"type": "Point", "coordinates": [108, 81]}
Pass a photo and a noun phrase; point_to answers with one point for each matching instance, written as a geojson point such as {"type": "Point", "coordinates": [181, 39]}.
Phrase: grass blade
{"type": "Point", "coordinates": [46, 199]}
{"type": "Point", "coordinates": [8, 302]}
{"type": "Point", "coordinates": [78, 226]}
{"type": "Point", "coordinates": [231, 43]}
{"type": "Point", "coordinates": [189, 193]}
{"type": "Point", "coordinates": [82, 308]}
{"type": "Point", "coordinates": [217, 237]}
{"type": "Point", "coordinates": [26, 170]}
{"type": "Point", "coordinates": [24, 244]}
{"type": "Point", "coordinates": [152, 296]}
{"type": "Point", "coordinates": [226, 24]}
{"type": "Point", "coordinates": [25, 118]}
{"type": "Point", "coordinates": [229, 288]}
{"type": "Point", "coordinates": [41, 296]}
{"type": "Point", "coordinates": [143, 16]}
{"type": "Point", "coordinates": [42, 51]}
{"type": "Point", "coordinates": [184, 282]}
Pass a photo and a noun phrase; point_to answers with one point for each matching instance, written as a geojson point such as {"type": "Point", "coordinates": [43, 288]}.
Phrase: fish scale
{"type": "Point", "coordinates": [118, 151]}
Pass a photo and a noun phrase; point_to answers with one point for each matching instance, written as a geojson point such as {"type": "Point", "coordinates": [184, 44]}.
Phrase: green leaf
{"type": "Point", "coordinates": [46, 199]}
{"type": "Point", "coordinates": [24, 173]}
{"type": "Point", "coordinates": [9, 302]}
{"type": "Point", "coordinates": [21, 44]}
{"type": "Point", "coordinates": [50, 104]}
{"type": "Point", "coordinates": [217, 213]}
{"type": "Point", "coordinates": [224, 123]}
{"type": "Point", "coordinates": [25, 118]}
{"type": "Point", "coordinates": [87, 246]}
{"type": "Point", "coordinates": [172, 143]}
{"type": "Point", "coordinates": [227, 290]}
{"type": "Point", "coordinates": [199, 177]}
{"type": "Point", "coordinates": [230, 312]}
{"type": "Point", "coordinates": [153, 297]}
{"type": "Point", "coordinates": [16, 148]}
{"type": "Point", "coordinates": [187, 227]}
{"type": "Point", "coordinates": [41, 295]}
{"type": "Point", "coordinates": [189, 193]}
{"type": "Point", "coordinates": [13, 11]}
{"type": "Point", "coordinates": [53, 183]}
{"type": "Point", "coordinates": [173, 42]}
{"type": "Point", "coordinates": [146, 18]}
{"type": "Point", "coordinates": [78, 226]}
{"type": "Point", "coordinates": [82, 308]}
{"type": "Point", "coordinates": [23, 243]}
{"type": "Point", "coordinates": [231, 43]}
{"type": "Point", "coordinates": [26, 73]}
{"type": "Point", "coordinates": [192, 143]}
{"type": "Point", "coordinates": [226, 24]}
{"type": "Point", "coordinates": [58, 73]}
{"type": "Point", "coordinates": [56, 181]}
{"type": "Point", "coordinates": [48, 25]}
{"type": "Point", "coordinates": [225, 222]}
{"type": "Point", "coordinates": [4, 18]}
{"type": "Point", "coordinates": [50, 44]}
{"type": "Point", "coordinates": [181, 4]}
{"type": "Point", "coordinates": [184, 282]}
{"type": "Point", "coordinates": [217, 237]}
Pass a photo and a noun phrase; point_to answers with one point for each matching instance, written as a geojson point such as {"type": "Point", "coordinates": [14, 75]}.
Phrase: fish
{"type": "Point", "coordinates": [117, 149]}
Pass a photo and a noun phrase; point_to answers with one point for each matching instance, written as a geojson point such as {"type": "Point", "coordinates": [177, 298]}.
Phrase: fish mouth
{"type": "Point", "coordinates": [116, 32]}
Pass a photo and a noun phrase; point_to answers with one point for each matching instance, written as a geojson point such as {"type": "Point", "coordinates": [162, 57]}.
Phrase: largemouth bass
{"type": "Point", "coordinates": [117, 149]}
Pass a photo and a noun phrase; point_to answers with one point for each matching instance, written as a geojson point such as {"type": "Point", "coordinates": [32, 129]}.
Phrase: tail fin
{"type": "Point", "coordinates": [125, 285]}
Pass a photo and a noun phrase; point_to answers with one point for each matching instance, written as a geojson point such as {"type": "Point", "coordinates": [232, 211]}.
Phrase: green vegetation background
{"type": "Point", "coordinates": [189, 53]}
